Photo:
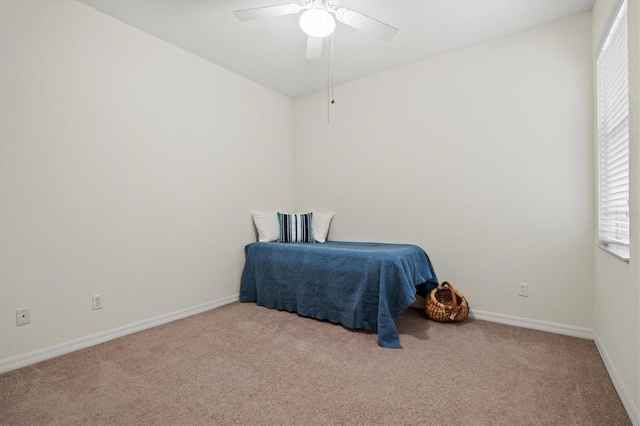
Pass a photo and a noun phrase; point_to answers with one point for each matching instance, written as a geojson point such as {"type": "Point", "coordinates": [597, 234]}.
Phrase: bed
{"type": "Point", "coordinates": [360, 285]}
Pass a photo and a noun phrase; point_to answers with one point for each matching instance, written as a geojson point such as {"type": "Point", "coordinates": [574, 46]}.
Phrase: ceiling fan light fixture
{"type": "Point", "coordinates": [317, 22]}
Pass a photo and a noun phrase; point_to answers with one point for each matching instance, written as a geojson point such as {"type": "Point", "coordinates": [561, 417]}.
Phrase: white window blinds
{"type": "Point", "coordinates": [613, 134]}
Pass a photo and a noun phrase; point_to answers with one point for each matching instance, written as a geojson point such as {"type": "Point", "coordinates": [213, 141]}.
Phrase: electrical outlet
{"type": "Point", "coordinates": [23, 316]}
{"type": "Point", "coordinates": [523, 289]}
{"type": "Point", "coordinates": [97, 302]}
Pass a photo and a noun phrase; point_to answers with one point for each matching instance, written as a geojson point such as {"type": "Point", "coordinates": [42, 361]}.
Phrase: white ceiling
{"type": "Point", "coordinates": [271, 51]}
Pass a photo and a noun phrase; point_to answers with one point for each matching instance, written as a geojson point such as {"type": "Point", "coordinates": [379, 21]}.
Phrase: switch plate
{"type": "Point", "coordinates": [23, 316]}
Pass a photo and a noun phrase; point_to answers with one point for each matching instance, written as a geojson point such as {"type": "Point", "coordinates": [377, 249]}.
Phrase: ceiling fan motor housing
{"type": "Point", "coordinates": [320, 3]}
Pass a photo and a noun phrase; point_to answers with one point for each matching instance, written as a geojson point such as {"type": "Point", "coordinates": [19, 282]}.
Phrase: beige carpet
{"type": "Point", "coordinates": [248, 365]}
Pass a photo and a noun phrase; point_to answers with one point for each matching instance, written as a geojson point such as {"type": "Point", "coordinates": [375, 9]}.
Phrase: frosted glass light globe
{"type": "Point", "coordinates": [317, 23]}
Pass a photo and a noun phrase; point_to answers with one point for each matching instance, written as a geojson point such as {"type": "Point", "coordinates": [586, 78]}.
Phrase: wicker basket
{"type": "Point", "coordinates": [445, 304]}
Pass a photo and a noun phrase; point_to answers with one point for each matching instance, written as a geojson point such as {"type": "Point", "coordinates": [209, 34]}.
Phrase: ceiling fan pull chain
{"type": "Point", "coordinates": [332, 67]}
{"type": "Point", "coordinates": [330, 99]}
{"type": "Point", "coordinates": [328, 86]}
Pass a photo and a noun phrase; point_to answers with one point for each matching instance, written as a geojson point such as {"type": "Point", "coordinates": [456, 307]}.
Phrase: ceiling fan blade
{"type": "Point", "coordinates": [314, 47]}
{"type": "Point", "coordinates": [365, 24]}
{"type": "Point", "coordinates": [266, 11]}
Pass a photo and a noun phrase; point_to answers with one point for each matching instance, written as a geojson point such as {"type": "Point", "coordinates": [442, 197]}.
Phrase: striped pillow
{"type": "Point", "coordinates": [295, 228]}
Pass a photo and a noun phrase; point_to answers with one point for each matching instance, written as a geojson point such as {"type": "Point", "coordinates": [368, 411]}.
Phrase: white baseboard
{"type": "Point", "coordinates": [632, 411]}
{"type": "Point", "coordinates": [84, 342]}
{"type": "Point", "coordinates": [551, 327]}
{"type": "Point", "coordinates": [585, 333]}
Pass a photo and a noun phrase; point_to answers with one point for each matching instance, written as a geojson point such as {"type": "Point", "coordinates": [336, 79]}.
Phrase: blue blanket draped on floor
{"type": "Point", "coordinates": [360, 285]}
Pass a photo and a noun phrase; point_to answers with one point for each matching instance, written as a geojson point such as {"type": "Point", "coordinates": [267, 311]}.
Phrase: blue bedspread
{"type": "Point", "coordinates": [360, 285]}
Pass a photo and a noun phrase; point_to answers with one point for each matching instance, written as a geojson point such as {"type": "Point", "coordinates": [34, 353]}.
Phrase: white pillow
{"type": "Point", "coordinates": [320, 225]}
{"type": "Point", "coordinates": [267, 225]}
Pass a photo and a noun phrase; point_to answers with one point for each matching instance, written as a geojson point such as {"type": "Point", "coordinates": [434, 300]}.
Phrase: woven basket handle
{"type": "Point", "coordinates": [454, 299]}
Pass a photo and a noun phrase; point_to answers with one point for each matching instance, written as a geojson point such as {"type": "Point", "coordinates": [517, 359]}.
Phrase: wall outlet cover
{"type": "Point", "coordinates": [23, 316]}
{"type": "Point", "coordinates": [97, 302]}
{"type": "Point", "coordinates": [523, 289]}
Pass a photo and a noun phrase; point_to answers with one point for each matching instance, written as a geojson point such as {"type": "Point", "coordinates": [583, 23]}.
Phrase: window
{"type": "Point", "coordinates": [613, 139]}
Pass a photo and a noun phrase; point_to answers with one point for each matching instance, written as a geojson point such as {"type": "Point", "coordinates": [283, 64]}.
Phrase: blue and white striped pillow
{"type": "Point", "coordinates": [295, 228]}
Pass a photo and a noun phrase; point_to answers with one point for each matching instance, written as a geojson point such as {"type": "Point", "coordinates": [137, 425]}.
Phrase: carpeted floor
{"type": "Point", "coordinates": [244, 364]}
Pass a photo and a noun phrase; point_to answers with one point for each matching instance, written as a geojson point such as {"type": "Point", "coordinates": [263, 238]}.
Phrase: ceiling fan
{"type": "Point", "coordinates": [317, 21]}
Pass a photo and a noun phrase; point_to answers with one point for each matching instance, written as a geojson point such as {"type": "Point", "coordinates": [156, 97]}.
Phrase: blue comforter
{"type": "Point", "coordinates": [360, 285]}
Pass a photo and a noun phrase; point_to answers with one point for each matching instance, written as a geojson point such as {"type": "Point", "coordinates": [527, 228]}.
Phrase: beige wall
{"type": "Point", "coordinates": [129, 168]}
{"type": "Point", "coordinates": [482, 156]}
{"type": "Point", "coordinates": [617, 283]}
